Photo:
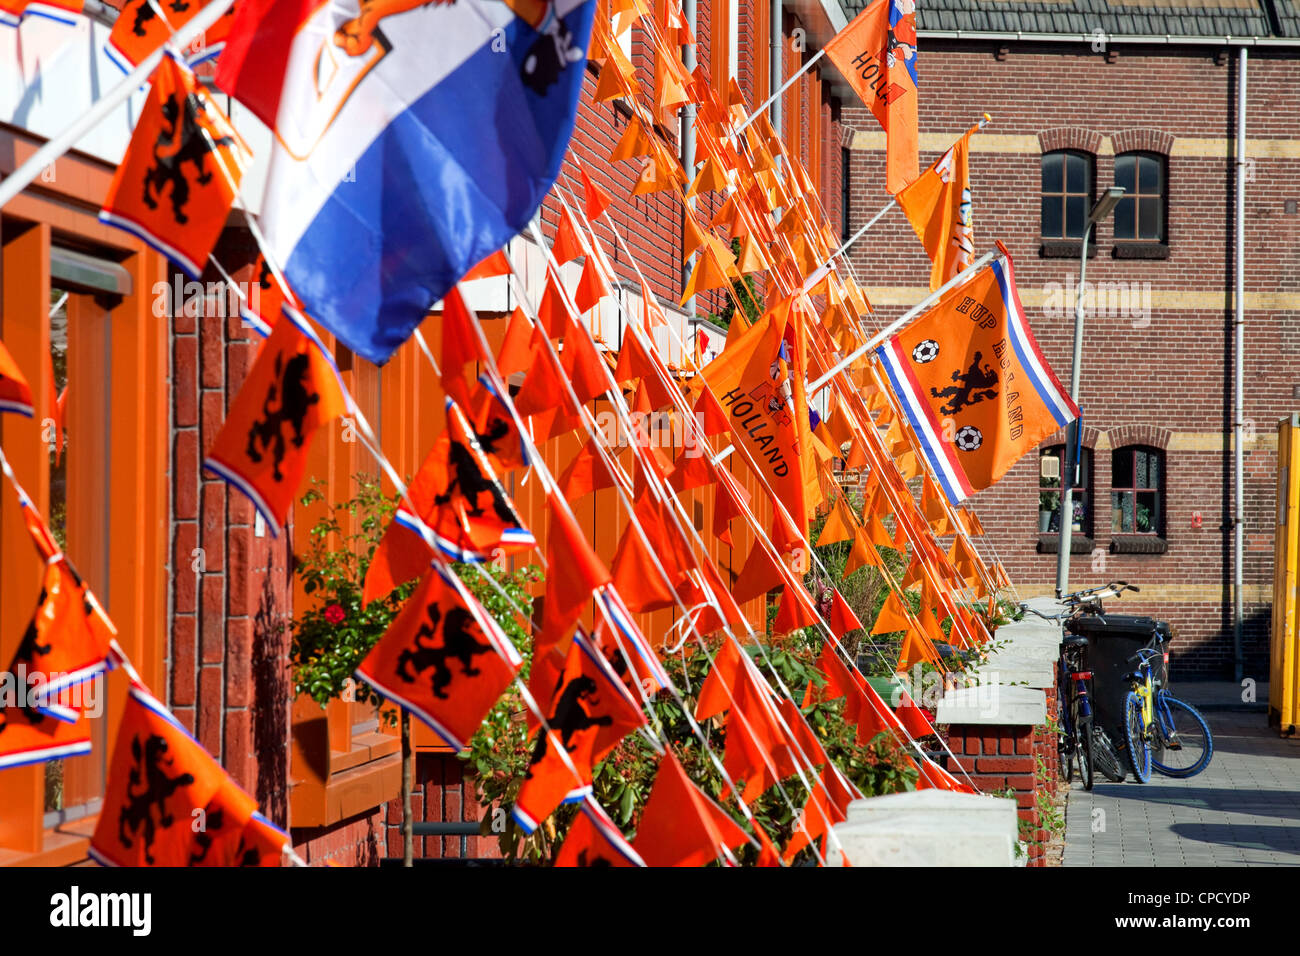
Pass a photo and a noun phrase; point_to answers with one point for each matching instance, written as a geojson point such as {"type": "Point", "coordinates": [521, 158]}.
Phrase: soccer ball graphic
{"type": "Point", "coordinates": [968, 438]}
{"type": "Point", "coordinates": [925, 352]}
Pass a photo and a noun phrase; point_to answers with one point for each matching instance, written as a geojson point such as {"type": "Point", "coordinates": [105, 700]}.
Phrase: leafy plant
{"type": "Point", "coordinates": [334, 635]}
{"type": "Point", "coordinates": [745, 291]}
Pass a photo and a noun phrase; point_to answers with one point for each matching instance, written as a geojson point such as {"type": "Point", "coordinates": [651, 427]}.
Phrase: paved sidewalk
{"type": "Point", "coordinates": [1243, 810]}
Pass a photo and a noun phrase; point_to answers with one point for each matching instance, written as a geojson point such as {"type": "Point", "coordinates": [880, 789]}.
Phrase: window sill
{"type": "Point", "coordinates": [1138, 544]}
{"type": "Point", "coordinates": [64, 845]}
{"type": "Point", "coordinates": [1064, 249]}
{"type": "Point", "coordinates": [1050, 544]}
{"type": "Point", "coordinates": [1140, 250]}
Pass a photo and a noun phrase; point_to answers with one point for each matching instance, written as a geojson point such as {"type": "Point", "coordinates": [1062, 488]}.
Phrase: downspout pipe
{"type": "Point", "coordinates": [776, 66]}
{"type": "Point", "coordinates": [1238, 384]}
{"type": "Point", "coordinates": [688, 143]}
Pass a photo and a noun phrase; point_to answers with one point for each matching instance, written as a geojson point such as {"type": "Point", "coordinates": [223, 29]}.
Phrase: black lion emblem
{"type": "Point", "coordinates": [458, 642]}
{"type": "Point", "coordinates": [974, 386]}
{"type": "Point", "coordinates": [469, 480]}
{"type": "Point", "coordinates": [145, 13]}
{"type": "Point", "coordinates": [569, 718]}
{"type": "Point", "coordinates": [147, 791]}
{"type": "Point", "coordinates": [295, 399]}
{"type": "Point", "coordinates": [181, 141]}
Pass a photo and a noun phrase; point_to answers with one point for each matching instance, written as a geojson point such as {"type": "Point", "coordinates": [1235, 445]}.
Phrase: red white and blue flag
{"type": "Point", "coordinates": [413, 139]}
{"type": "Point", "coordinates": [974, 384]}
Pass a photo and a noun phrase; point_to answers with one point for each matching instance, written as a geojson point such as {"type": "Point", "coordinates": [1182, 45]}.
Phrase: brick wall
{"type": "Point", "coordinates": [441, 792]}
{"type": "Point", "coordinates": [1163, 369]}
{"type": "Point", "coordinates": [227, 655]}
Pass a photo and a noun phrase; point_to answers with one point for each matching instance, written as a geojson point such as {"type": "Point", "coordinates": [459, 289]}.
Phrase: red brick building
{"type": "Point", "coordinates": [184, 566]}
{"type": "Point", "coordinates": [1083, 97]}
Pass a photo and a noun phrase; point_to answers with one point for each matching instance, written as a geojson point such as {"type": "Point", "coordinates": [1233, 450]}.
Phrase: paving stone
{"type": "Point", "coordinates": [1243, 810]}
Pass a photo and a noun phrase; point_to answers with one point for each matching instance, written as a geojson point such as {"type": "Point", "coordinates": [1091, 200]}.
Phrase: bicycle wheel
{"type": "Point", "coordinates": [1083, 750]}
{"type": "Point", "coordinates": [1104, 757]}
{"type": "Point", "coordinates": [1186, 746]}
{"type": "Point", "coordinates": [1065, 757]}
{"type": "Point", "coordinates": [1139, 748]}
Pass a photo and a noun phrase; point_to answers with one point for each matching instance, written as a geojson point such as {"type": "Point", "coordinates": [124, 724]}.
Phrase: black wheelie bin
{"type": "Point", "coordinates": [1112, 640]}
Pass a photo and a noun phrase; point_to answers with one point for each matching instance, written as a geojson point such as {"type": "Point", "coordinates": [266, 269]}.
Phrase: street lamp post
{"type": "Point", "coordinates": [1103, 208]}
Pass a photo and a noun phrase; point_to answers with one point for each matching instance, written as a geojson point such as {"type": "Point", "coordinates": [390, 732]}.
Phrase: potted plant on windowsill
{"type": "Point", "coordinates": [1047, 506]}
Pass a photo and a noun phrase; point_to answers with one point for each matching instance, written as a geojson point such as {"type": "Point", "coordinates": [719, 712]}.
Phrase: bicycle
{"type": "Point", "coordinates": [1080, 739]}
{"type": "Point", "coordinates": [1163, 732]}
{"type": "Point", "coordinates": [1075, 738]}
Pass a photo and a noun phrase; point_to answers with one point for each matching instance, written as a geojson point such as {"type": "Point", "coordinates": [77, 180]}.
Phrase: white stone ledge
{"type": "Point", "coordinates": [989, 704]}
{"type": "Point", "coordinates": [929, 828]}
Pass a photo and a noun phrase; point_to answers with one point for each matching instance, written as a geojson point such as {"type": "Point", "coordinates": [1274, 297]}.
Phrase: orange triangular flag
{"type": "Point", "coordinates": [892, 617]}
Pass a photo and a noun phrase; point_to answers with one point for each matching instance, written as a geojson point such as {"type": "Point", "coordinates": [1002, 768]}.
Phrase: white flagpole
{"type": "Point", "coordinates": [784, 86]}
{"type": "Point", "coordinates": [902, 320]}
{"type": "Point", "coordinates": [23, 176]}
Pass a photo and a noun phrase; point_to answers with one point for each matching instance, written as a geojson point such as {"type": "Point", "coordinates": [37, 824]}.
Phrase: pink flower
{"type": "Point", "coordinates": [335, 614]}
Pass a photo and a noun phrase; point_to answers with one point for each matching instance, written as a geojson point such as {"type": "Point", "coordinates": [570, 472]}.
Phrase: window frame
{"type": "Point", "coordinates": [1088, 195]}
{"type": "Point", "coordinates": [1157, 530]}
{"type": "Point", "coordinates": [1139, 247]}
{"type": "Point", "coordinates": [1087, 526]}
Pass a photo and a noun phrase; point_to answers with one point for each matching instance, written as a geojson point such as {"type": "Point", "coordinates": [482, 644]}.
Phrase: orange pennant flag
{"type": "Point", "coordinates": [893, 617]}
{"type": "Point", "coordinates": [876, 53]}
{"type": "Point", "coordinates": [154, 759]}
{"type": "Point", "coordinates": [588, 712]}
{"type": "Point", "coordinates": [443, 658]}
{"type": "Point", "coordinates": [592, 286]}
{"type": "Point", "coordinates": [292, 390]}
{"type": "Point", "coordinates": [567, 246]}
{"type": "Point", "coordinates": [573, 573]}
{"type": "Point", "coordinates": [595, 840]}
{"type": "Point", "coordinates": [597, 200]}
{"type": "Point", "coordinates": [191, 161]}
{"type": "Point", "coordinates": [938, 205]}
{"type": "Point", "coordinates": [489, 267]}
{"type": "Point", "coordinates": [680, 825]}
{"type": "Point", "coordinates": [516, 352]}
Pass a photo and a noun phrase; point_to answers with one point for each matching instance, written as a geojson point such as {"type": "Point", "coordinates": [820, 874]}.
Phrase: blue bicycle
{"type": "Point", "coordinates": [1163, 733]}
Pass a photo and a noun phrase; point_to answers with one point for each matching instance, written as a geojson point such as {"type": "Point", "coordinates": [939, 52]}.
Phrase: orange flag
{"type": "Point", "coordinates": [843, 620]}
{"type": "Point", "coordinates": [573, 573]}
{"type": "Point", "coordinates": [825, 807]}
{"type": "Point", "coordinates": [516, 352]}
{"type": "Point", "coordinates": [160, 781]}
{"type": "Point", "coordinates": [191, 162]}
{"type": "Point", "coordinates": [68, 640]}
{"type": "Point", "coordinates": [595, 840]}
{"type": "Point", "coordinates": [597, 199]}
{"type": "Point", "coordinates": [15, 393]}
{"type": "Point", "coordinates": [585, 473]}
{"type": "Point", "coordinates": [443, 658]}
{"type": "Point", "coordinates": [938, 205]}
{"type": "Point", "coordinates": [754, 382]}
{"type": "Point", "coordinates": [139, 30]}
{"type": "Point", "coordinates": [976, 388]}
{"type": "Point", "coordinates": [491, 266]}
{"type": "Point", "coordinates": [292, 390]}
{"type": "Point", "coordinates": [261, 309]}
{"type": "Point", "coordinates": [876, 53]}
{"type": "Point", "coordinates": [720, 684]}
{"type": "Point", "coordinates": [635, 576]}
{"type": "Point", "coordinates": [459, 497]}
{"type": "Point", "coordinates": [592, 286]}
{"type": "Point", "coordinates": [567, 245]}
{"type": "Point", "coordinates": [680, 825]}
{"type": "Point", "coordinates": [589, 711]}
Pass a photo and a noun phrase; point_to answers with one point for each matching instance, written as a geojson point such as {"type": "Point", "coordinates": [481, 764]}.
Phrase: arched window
{"type": "Point", "coordinates": [1140, 215]}
{"type": "Point", "coordinates": [1067, 193]}
{"type": "Point", "coordinates": [1137, 483]}
{"type": "Point", "coordinates": [1049, 492]}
